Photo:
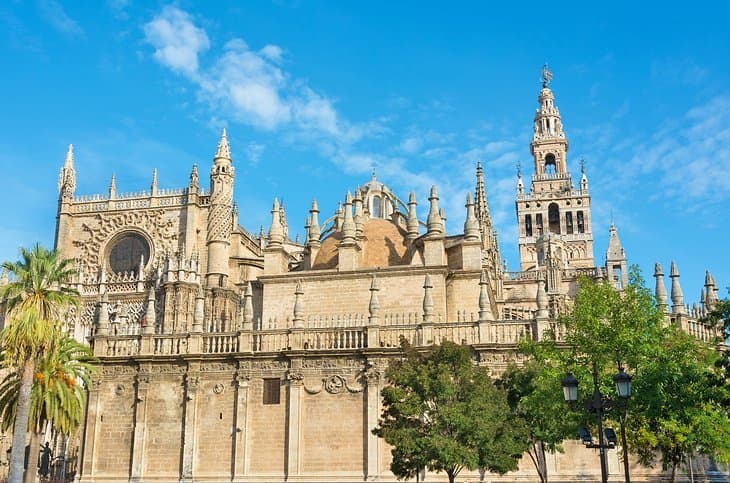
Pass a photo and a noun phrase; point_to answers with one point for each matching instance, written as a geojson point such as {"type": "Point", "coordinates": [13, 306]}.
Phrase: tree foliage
{"type": "Point", "coordinates": [535, 396]}
{"type": "Point", "coordinates": [36, 299]}
{"type": "Point", "coordinates": [676, 407]}
{"type": "Point", "coordinates": [444, 413]}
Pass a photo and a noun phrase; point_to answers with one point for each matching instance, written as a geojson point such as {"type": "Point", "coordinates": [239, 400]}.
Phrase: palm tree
{"type": "Point", "coordinates": [35, 301]}
{"type": "Point", "coordinates": [58, 395]}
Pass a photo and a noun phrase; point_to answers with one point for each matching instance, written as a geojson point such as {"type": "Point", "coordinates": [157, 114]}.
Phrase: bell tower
{"type": "Point", "coordinates": [553, 206]}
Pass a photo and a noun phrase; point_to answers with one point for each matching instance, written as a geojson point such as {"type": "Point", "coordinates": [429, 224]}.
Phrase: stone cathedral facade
{"type": "Point", "coordinates": [232, 356]}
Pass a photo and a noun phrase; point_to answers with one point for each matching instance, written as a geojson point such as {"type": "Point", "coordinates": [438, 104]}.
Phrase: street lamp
{"type": "Point", "coordinates": [570, 387]}
{"type": "Point", "coordinates": [598, 404]}
{"type": "Point", "coordinates": [623, 383]}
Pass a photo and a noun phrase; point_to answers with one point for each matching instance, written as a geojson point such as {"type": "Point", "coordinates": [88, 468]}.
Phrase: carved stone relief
{"type": "Point", "coordinates": [97, 232]}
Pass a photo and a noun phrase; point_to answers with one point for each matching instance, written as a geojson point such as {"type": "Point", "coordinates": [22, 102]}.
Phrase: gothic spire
{"type": "Point", "coordinates": [113, 187]}
{"type": "Point", "coordinates": [660, 292]}
{"type": "Point", "coordinates": [412, 222]}
{"type": "Point", "coordinates": [276, 232]}
{"type": "Point", "coordinates": [314, 231]}
{"type": "Point", "coordinates": [348, 224]}
{"type": "Point", "coordinates": [471, 225]}
{"type": "Point", "coordinates": [480, 198]}
{"type": "Point", "coordinates": [153, 186]}
{"type": "Point", "coordinates": [435, 221]}
{"type": "Point", "coordinates": [223, 150]}
{"type": "Point", "coordinates": [677, 295]}
{"type": "Point", "coordinates": [194, 180]}
{"type": "Point", "coordinates": [67, 175]}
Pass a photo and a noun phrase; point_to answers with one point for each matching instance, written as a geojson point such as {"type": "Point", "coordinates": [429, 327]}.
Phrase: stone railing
{"type": "Point", "coordinates": [460, 333]}
{"type": "Point", "coordinates": [174, 344]}
{"type": "Point", "coordinates": [221, 343]}
{"type": "Point", "coordinates": [509, 332]}
{"type": "Point", "coordinates": [330, 339]}
{"type": "Point", "coordinates": [121, 346]}
{"type": "Point", "coordinates": [390, 336]}
{"type": "Point", "coordinates": [342, 338]}
{"type": "Point", "coordinates": [702, 331]}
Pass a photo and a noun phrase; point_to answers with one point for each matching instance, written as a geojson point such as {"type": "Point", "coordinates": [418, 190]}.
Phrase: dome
{"type": "Point", "coordinates": [383, 245]}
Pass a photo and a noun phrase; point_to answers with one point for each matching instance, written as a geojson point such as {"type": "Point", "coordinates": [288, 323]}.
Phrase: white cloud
{"type": "Point", "coordinates": [177, 41]}
{"type": "Point", "coordinates": [254, 151]}
{"type": "Point", "coordinates": [411, 145]}
{"type": "Point", "coordinates": [53, 13]}
{"type": "Point", "coordinates": [249, 86]}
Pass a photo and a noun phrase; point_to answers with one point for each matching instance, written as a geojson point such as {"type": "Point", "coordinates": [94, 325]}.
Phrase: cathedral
{"type": "Point", "coordinates": [233, 356]}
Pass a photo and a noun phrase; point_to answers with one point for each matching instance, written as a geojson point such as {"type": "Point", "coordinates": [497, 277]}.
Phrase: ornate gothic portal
{"type": "Point", "coordinates": [229, 356]}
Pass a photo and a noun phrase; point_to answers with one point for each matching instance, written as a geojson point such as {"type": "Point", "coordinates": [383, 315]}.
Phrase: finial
{"type": "Point", "coordinates": [582, 165]}
{"type": "Point", "coordinates": [519, 169]}
{"type": "Point", "coordinates": [153, 187]}
{"type": "Point", "coordinates": [113, 186]}
{"type": "Point", "coordinates": [412, 221]}
{"type": "Point", "coordinates": [677, 295]}
{"type": "Point", "coordinates": [223, 150]}
{"type": "Point", "coordinates": [349, 229]}
{"type": "Point", "coordinates": [69, 163]}
{"type": "Point", "coordinates": [314, 231]}
{"type": "Point", "coordinates": [471, 225]}
{"type": "Point", "coordinates": [276, 232]}
{"type": "Point", "coordinates": [434, 222]}
{"type": "Point", "coordinates": [547, 76]}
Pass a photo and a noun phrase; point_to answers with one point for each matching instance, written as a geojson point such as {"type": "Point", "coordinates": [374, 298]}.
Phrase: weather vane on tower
{"type": "Point", "coordinates": [547, 76]}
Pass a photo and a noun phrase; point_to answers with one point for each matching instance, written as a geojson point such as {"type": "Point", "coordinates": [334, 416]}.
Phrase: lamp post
{"type": "Point", "coordinates": [599, 404]}
{"type": "Point", "coordinates": [623, 389]}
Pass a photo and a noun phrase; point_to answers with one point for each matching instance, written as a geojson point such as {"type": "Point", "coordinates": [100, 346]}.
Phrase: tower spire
{"type": "Point", "coordinates": [113, 187]}
{"type": "Point", "coordinates": [677, 295]}
{"type": "Point", "coordinates": [223, 150]}
{"type": "Point", "coordinates": [67, 175]}
{"type": "Point", "coordinates": [660, 292]}
{"type": "Point", "coordinates": [480, 198]}
{"type": "Point", "coordinates": [220, 214]}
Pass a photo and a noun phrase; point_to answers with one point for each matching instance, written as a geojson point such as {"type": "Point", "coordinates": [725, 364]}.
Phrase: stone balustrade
{"type": "Point", "coordinates": [312, 338]}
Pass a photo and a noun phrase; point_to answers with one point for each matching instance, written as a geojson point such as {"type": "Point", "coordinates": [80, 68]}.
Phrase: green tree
{"type": "Point", "coordinates": [678, 405]}
{"type": "Point", "coordinates": [677, 390]}
{"type": "Point", "coordinates": [58, 396]}
{"type": "Point", "coordinates": [535, 395]}
{"type": "Point", "coordinates": [720, 317]}
{"type": "Point", "coordinates": [444, 413]}
{"type": "Point", "coordinates": [35, 299]}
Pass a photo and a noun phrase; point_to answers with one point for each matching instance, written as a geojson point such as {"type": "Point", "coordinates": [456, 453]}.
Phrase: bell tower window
{"type": "Point", "coordinates": [538, 222]}
{"type": "Point", "coordinates": [581, 222]}
{"type": "Point", "coordinates": [550, 164]}
{"type": "Point", "coordinates": [528, 225]}
{"type": "Point", "coordinates": [569, 223]}
{"type": "Point", "coordinates": [554, 218]}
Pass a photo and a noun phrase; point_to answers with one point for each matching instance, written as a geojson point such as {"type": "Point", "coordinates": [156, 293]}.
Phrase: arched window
{"type": "Point", "coordinates": [569, 222]}
{"type": "Point", "coordinates": [538, 222]}
{"type": "Point", "coordinates": [554, 218]}
{"type": "Point", "coordinates": [377, 207]}
{"type": "Point", "coordinates": [550, 164]}
{"type": "Point", "coordinates": [528, 225]}
{"type": "Point", "coordinates": [581, 222]}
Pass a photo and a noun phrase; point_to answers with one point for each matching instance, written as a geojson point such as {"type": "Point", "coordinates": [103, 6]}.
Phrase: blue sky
{"type": "Point", "coordinates": [316, 94]}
